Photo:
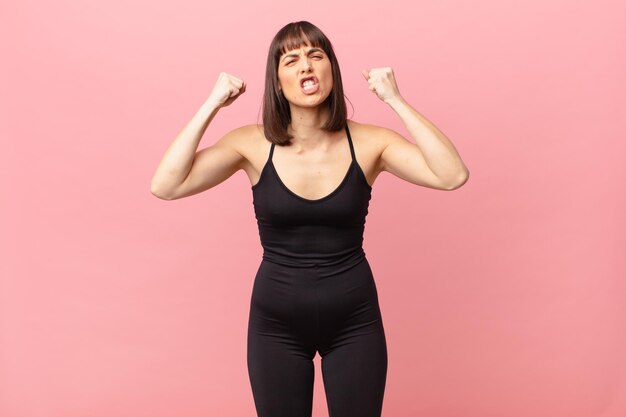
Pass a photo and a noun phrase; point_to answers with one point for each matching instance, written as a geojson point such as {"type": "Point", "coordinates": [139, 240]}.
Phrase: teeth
{"type": "Point", "coordinates": [308, 83]}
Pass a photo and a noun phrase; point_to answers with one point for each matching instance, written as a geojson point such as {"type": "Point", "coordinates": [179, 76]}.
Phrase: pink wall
{"type": "Point", "coordinates": [503, 298]}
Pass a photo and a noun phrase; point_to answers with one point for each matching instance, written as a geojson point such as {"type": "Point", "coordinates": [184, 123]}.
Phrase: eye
{"type": "Point", "coordinates": [314, 56]}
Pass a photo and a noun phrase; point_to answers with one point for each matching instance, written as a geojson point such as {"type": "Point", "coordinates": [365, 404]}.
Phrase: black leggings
{"type": "Point", "coordinates": [296, 311]}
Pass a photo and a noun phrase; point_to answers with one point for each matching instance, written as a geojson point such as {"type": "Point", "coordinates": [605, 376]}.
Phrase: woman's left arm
{"type": "Point", "coordinates": [432, 160]}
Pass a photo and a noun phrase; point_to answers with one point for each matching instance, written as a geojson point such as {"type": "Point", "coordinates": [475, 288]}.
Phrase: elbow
{"type": "Point", "coordinates": [159, 193]}
{"type": "Point", "coordinates": [460, 182]}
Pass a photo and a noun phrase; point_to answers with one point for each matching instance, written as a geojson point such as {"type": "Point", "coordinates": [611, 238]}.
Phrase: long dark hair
{"type": "Point", "coordinates": [276, 111]}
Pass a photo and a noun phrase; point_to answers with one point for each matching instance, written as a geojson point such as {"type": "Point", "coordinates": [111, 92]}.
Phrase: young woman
{"type": "Point", "coordinates": [314, 290]}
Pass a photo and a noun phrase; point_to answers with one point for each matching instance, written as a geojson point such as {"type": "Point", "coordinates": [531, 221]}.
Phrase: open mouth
{"type": "Point", "coordinates": [309, 84]}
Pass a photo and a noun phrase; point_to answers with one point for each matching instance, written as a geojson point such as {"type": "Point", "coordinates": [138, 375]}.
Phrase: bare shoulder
{"type": "Point", "coordinates": [250, 142]}
{"type": "Point", "coordinates": [369, 143]}
{"type": "Point", "coordinates": [246, 140]}
{"type": "Point", "coordinates": [375, 139]}
{"type": "Point", "coordinates": [372, 137]}
{"type": "Point", "coordinates": [242, 137]}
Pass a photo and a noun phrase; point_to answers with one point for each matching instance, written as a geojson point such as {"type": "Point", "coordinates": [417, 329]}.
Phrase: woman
{"type": "Point", "coordinates": [314, 290]}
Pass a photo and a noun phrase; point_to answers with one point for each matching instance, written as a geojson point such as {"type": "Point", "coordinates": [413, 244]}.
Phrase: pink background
{"type": "Point", "coordinates": [503, 298]}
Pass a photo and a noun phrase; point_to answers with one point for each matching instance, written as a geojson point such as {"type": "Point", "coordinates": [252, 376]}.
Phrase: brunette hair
{"type": "Point", "coordinates": [276, 111]}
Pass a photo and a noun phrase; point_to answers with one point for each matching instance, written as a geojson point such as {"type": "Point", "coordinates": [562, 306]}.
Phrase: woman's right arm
{"type": "Point", "coordinates": [183, 171]}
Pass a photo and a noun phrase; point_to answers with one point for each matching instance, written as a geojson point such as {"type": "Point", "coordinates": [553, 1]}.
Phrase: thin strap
{"type": "Point", "coordinates": [271, 151]}
{"type": "Point", "coordinates": [350, 141]}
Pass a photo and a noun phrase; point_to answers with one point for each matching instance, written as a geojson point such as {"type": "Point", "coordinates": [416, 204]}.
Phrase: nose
{"type": "Point", "coordinates": [306, 66]}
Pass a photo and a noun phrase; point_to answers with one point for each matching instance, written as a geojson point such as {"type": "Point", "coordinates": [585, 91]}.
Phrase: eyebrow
{"type": "Point", "coordinates": [309, 52]}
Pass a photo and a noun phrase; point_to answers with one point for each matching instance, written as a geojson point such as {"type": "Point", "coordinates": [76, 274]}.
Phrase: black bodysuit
{"type": "Point", "coordinates": [314, 292]}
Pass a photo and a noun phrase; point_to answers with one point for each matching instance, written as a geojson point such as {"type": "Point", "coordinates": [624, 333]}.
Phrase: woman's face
{"type": "Point", "coordinates": [297, 65]}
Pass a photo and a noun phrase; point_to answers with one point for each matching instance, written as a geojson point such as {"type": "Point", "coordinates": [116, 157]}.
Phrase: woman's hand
{"type": "Point", "coordinates": [226, 90]}
{"type": "Point", "coordinates": [383, 83]}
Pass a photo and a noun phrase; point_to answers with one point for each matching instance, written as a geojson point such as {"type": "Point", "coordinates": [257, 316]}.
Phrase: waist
{"type": "Point", "coordinates": [338, 261]}
{"type": "Point", "coordinates": [311, 244]}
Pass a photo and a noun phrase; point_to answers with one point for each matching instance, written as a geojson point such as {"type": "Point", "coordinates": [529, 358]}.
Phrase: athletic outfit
{"type": "Point", "coordinates": [314, 292]}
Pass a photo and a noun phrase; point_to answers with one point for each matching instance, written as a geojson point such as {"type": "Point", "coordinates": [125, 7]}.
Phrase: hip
{"type": "Point", "coordinates": [322, 294]}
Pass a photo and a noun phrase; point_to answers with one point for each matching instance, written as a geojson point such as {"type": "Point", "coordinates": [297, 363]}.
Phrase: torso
{"type": "Point", "coordinates": [318, 173]}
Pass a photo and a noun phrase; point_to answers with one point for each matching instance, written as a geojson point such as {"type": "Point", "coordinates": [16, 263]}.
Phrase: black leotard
{"type": "Point", "coordinates": [314, 292]}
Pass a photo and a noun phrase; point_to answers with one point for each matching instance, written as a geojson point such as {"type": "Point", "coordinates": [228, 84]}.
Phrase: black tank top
{"type": "Point", "coordinates": [297, 231]}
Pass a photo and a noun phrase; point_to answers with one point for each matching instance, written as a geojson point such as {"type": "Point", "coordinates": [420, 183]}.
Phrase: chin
{"type": "Point", "coordinates": [313, 105]}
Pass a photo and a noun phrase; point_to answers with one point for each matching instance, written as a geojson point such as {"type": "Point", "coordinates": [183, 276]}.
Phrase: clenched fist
{"type": "Point", "coordinates": [226, 90]}
{"type": "Point", "coordinates": [382, 82]}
